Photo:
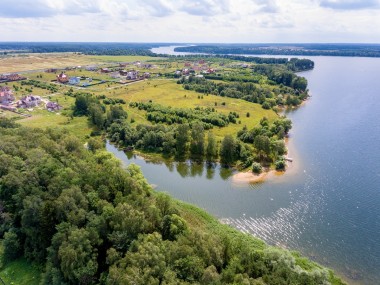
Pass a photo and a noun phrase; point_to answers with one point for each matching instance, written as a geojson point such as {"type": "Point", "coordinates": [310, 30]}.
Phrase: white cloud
{"type": "Point", "coordinates": [350, 4]}
{"type": "Point", "coordinates": [190, 21]}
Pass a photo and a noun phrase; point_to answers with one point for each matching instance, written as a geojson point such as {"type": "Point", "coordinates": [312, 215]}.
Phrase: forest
{"type": "Point", "coordinates": [82, 218]}
{"type": "Point", "coordinates": [361, 50]}
{"type": "Point", "coordinates": [85, 48]}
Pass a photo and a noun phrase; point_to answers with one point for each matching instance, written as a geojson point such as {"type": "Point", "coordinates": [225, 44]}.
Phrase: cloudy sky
{"type": "Point", "coordinates": [241, 21]}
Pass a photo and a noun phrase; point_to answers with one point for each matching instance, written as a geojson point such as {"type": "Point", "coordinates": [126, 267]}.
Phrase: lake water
{"type": "Point", "coordinates": [327, 205]}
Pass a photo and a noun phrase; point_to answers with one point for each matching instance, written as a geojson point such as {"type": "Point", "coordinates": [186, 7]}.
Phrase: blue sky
{"type": "Point", "coordinates": [242, 21]}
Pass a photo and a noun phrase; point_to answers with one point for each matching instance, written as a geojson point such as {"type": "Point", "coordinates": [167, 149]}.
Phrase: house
{"type": "Point", "coordinates": [115, 75]}
{"type": "Point", "coordinates": [91, 68]}
{"type": "Point", "coordinates": [62, 78]}
{"type": "Point", "coordinates": [6, 95]}
{"type": "Point", "coordinates": [146, 75]}
{"type": "Point", "coordinates": [105, 70]}
{"type": "Point", "coordinates": [53, 106]}
{"type": "Point", "coordinates": [131, 75]}
{"type": "Point", "coordinates": [123, 72]}
{"type": "Point", "coordinates": [11, 77]}
{"type": "Point", "coordinates": [29, 101]}
{"type": "Point", "coordinates": [51, 70]}
{"type": "Point", "coordinates": [74, 80]}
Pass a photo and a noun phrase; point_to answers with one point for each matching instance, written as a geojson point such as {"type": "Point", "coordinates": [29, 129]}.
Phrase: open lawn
{"type": "Point", "coordinates": [44, 119]}
{"type": "Point", "coordinates": [169, 93]}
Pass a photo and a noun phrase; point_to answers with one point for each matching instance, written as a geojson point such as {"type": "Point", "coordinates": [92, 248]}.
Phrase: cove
{"type": "Point", "coordinates": [327, 204]}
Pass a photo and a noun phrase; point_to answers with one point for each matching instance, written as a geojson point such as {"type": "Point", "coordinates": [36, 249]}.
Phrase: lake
{"type": "Point", "coordinates": [327, 205]}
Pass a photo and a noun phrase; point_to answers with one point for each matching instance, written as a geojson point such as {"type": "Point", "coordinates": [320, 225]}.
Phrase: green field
{"type": "Point", "coordinates": [168, 93]}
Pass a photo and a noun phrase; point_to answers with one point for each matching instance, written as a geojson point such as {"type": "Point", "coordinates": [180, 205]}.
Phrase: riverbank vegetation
{"type": "Point", "coordinates": [82, 219]}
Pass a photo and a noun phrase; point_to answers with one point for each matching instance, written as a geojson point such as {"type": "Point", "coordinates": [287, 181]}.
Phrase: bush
{"type": "Point", "coordinates": [257, 168]}
{"type": "Point", "coordinates": [12, 248]}
{"type": "Point", "coordinates": [280, 164]}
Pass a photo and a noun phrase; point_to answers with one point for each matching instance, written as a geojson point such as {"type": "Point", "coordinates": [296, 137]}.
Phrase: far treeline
{"type": "Point", "coordinates": [85, 48]}
{"type": "Point", "coordinates": [81, 219]}
{"type": "Point", "coordinates": [359, 50]}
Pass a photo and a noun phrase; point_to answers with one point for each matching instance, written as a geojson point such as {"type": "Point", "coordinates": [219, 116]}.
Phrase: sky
{"type": "Point", "coordinates": [186, 21]}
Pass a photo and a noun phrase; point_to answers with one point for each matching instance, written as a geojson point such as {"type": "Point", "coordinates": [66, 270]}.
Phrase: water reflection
{"type": "Point", "coordinates": [186, 168]}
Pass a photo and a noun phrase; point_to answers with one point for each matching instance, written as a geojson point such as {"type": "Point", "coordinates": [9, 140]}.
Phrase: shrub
{"type": "Point", "coordinates": [257, 168]}
{"type": "Point", "coordinates": [280, 164]}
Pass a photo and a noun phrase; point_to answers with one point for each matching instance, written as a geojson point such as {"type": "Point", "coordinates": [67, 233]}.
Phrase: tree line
{"type": "Point", "coordinates": [267, 96]}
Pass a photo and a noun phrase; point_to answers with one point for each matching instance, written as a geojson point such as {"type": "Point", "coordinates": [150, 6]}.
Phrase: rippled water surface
{"type": "Point", "coordinates": [327, 205]}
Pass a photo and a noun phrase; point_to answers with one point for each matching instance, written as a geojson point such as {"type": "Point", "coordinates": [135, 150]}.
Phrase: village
{"type": "Point", "coordinates": [18, 98]}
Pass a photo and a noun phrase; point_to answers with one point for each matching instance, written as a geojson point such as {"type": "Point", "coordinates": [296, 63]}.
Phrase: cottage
{"type": "Point", "coordinates": [105, 70]}
{"type": "Point", "coordinates": [123, 72]}
{"type": "Point", "coordinates": [74, 80]}
{"type": "Point", "coordinates": [6, 95]}
{"type": "Point", "coordinates": [91, 67]}
{"type": "Point", "coordinates": [146, 75]}
{"type": "Point", "coordinates": [115, 74]}
{"type": "Point", "coordinates": [130, 75]}
{"type": "Point", "coordinates": [62, 78]}
{"type": "Point", "coordinates": [53, 106]}
{"type": "Point", "coordinates": [11, 77]}
{"type": "Point", "coordinates": [29, 101]}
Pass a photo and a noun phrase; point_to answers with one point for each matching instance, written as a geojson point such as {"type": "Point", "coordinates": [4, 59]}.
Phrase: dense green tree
{"type": "Point", "coordinates": [12, 246]}
{"type": "Point", "coordinates": [212, 148]}
{"type": "Point", "coordinates": [182, 140]}
{"type": "Point", "coordinates": [227, 150]}
{"type": "Point", "coordinates": [96, 115]}
{"type": "Point", "coordinates": [197, 144]}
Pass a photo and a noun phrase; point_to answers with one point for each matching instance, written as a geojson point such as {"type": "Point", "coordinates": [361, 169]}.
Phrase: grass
{"type": "Point", "coordinates": [19, 272]}
{"type": "Point", "coordinates": [25, 62]}
{"type": "Point", "coordinates": [169, 93]}
{"type": "Point", "coordinates": [43, 119]}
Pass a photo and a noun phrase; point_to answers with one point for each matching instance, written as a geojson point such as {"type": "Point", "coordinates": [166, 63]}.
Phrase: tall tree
{"type": "Point", "coordinates": [212, 148]}
{"type": "Point", "coordinates": [197, 145]}
{"type": "Point", "coordinates": [182, 139]}
{"type": "Point", "coordinates": [227, 150]}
